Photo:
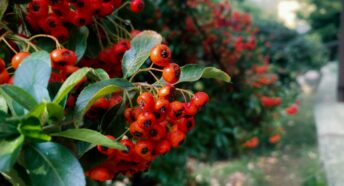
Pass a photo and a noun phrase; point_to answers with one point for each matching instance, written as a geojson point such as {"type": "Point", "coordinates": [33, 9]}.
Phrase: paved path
{"type": "Point", "coordinates": [329, 116]}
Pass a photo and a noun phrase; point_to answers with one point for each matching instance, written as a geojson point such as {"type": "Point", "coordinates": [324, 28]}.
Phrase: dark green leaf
{"type": "Point", "coordinates": [52, 164]}
{"type": "Point", "coordinates": [7, 128]}
{"type": "Point", "coordinates": [78, 41]}
{"type": "Point", "coordinates": [190, 73]}
{"type": "Point", "coordinates": [70, 83]}
{"type": "Point", "coordinates": [14, 177]}
{"type": "Point", "coordinates": [98, 75]}
{"type": "Point", "coordinates": [3, 7]}
{"type": "Point", "coordinates": [33, 75]}
{"type": "Point", "coordinates": [3, 104]}
{"type": "Point", "coordinates": [31, 127]}
{"type": "Point", "coordinates": [9, 152]}
{"type": "Point", "coordinates": [94, 91]}
{"type": "Point", "coordinates": [89, 136]}
{"type": "Point", "coordinates": [20, 96]}
{"type": "Point", "coordinates": [139, 52]}
{"type": "Point", "coordinates": [55, 112]}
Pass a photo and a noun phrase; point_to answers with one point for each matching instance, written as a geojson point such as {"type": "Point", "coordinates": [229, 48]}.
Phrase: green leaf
{"type": "Point", "coordinates": [89, 95]}
{"type": "Point", "coordinates": [7, 128]}
{"type": "Point", "coordinates": [33, 75]}
{"type": "Point", "coordinates": [190, 73]}
{"type": "Point", "coordinates": [139, 52]}
{"type": "Point", "coordinates": [32, 128]}
{"type": "Point", "coordinates": [78, 41]}
{"type": "Point", "coordinates": [16, 177]}
{"type": "Point", "coordinates": [55, 112]}
{"type": "Point", "coordinates": [3, 105]}
{"type": "Point", "coordinates": [9, 152]}
{"type": "Point", "coordinates": [70, 83]}
{"type": "Point", "coordinates": [20, 96]}
{"type": "Point", "coordinates": [52, 164]}
{"type": "Point", "coordinates": [98, 75]}
{"type": "Point", "coordinates": [3, 7]}
{"type": "Point", "coordinates": [90, 136]}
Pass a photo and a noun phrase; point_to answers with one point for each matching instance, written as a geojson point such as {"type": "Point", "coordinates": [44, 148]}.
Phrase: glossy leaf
{"type": "Point", "coordinates": [3, 7]}
{"type": "Point", "coordinates": [20, 96]}
{"type": "Point", "coordinates": [3, 105]}
{"type": "Point", "coordinates": [98, 75]}
{"type": "Point", "coordinates": [93, 92]}
{"type": "Point", "coordinates": [78, 41]}
{"type": "Point", "coordinates": [7, 128]}
{"type": "Point", "coordinates": [9, 152]}
{"type": "Point", "coordinates": [139, 52]}
{"type": "Point", "coordinates": [33, 75]}
{"type": "Point", "coordinates": [190, 73]}
{"type": "Point", "coordinates": [89, 136]}
{"type": "Point", "coordinates": [55, 112]}
{"type": "Point", "coordinates": [52, 164]}
{"type": "Point", "coordinates": [70, 83]}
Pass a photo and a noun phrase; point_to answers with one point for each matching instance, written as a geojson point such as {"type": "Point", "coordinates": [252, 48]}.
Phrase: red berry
{"type": "Point", "coordinates": [168, 92]}
{"type": "Point", "coordinates": [50, 22]}
{"type": "Point", "coordinates": [81, 18]}
{"type": "Point", "coordinates": [200, 99]}
{"type": "Point", "coordinates": [162, 106]}
{"type": "Point", "coordinates": [106, 9]}
{"type": "Point", "coordinates": [63, 57]}
{"type": "Point", "coordinates": [176, 110]}
{"type": "Point", "coordinates": [171, 73]}
{"type": "Point", "coordinates": [146, 120]}
{"type": "Point", "coordinates": [144, 149]}
{"type": "Point", "coordinates": [163, 147]}
{"type": "Point", "coordinates": [160, 55]}
{"type": "Point", "coordinates": [4, 77]}
{"type": "Point", "coordinates": [137, 6]}
{"type": "Point", "coordinates": [100, 174]}
{"type": "Point", "coordinates": [38, 8]}
{"type": "Point", "coordinates": [137, 131]}
{"type": "Point", "coordinates": [61, 33]}
{"type": "Point", "coordinates": [101, 103]}
{"type": "Point", "coordinates": [176, 138]}
{"type": "Point", "coordinates": [2, 65]}
{"type": "Point", "coordinates": [130, 148]}
{"type": "Point", "coordinates": [186, 124]}
{"type": "Point", "coordinates": [190, 109]}
{"type": "Point", "coordinates": [18, 59]}
{"type": "Point", "coordinates": [156, 132]}
{"type": "Point", "coordinates": [146, 101]}
{"type": "Point", "coordinates": [105, 150]}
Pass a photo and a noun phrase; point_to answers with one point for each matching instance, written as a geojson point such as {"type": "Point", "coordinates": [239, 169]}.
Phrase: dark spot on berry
{"type": "Point", "coordinates": [36, 7]}
{"type": "Point", "coordinates": [157, 115]}
{"type": "Point", "coordinates": [142, 104]}
{"type": "Point", "coordinates": [189, 124]}
{"type": "Point", "coordinates": [147, 123]}
{"type": "Point", "coordinates": [106, 1]}
{"type": "Point", "coordinates": [126, 151]}
{"type": "Point", "coordinates": [144, 150]}
{"type": "Point", "coordinates": [164, 54]}
{"type": "Point", "coordinates": [80, 4]}
{"type": "Point", "coordinates": [51, 23]}
{"type": "Point", "coordinates": [153, 133]}
{"type": "Point", "coordinates": [81, 21]}
{"type": "Point", "coordinates": [138, 134]}
{"type": "Point", "coordinates": [153, 153]}
{"type": "Point", "coordinates": [58, 12]}
{"type": "Point", "coordinates": [178, 113]}
{"type": "Point", "coordinates": [96, 12]}
{"type": "Point", "coordinates": [163, 109]}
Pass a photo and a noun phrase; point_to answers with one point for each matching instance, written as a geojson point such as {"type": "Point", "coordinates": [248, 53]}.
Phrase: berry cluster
{"type": "Point", "coordinates": [156, 124]}
{"type": "Point", "coordinates": [292, 109]}
{"type": "Point", "coordinates": [55, 16]}
{"type": "Point", "coordinates": [109, 59]}
{"type": "Point", "coordinates": [251, 143]}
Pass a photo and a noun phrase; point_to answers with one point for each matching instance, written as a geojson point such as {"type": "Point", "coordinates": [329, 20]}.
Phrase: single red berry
{"type": "Point", "coordinates": [168, 92]}
{"type": "Point", "coordinates": [101, 103]}
{"type": "Point", "coordinates": [146, 101]}
{"type": "Point", "coordinates": [146, 120]}
{"type": "Point", "coordinates": [38, 8]}
{"type": "Point", "coordinates": [176, 110]}
{"type": "Point", "coordinates": [190, 109]}
{"type": "Point", "coordinates": [61, 33]}
{"type": "Point", "coordinates": [105, 150]}
{"type": "Point", "coordinates": [171, 73]}
{"type": "Point", "coordinates": [160, 55]}
{"type": "Point", "coordinates": [81, 18]}
{"type": "Point", "coordinates": [163, 147]}
{"type": "Point", "coordinates": [156, 132]}
{"type": "Point", "coordinates": [176, 138]}
{"type": "Point", "coordinates": [100, 174]}
{"type": "Point", "coordinates": [4, 77]}
{"type": "Point", "coordinates": [144, 148]}
{"type": "Point", "coordinates": [137, 6]}
{"type": "Point", "coordinates": [18, 59]}
{"type": "Point", "coordinates": [106, 9]}
{"type": "Point", "coordinates": [200, 99]}
{"type": "Point", "coordinates": [130, 148]}
{"type": "Point", "coordinates": [162, 106]}
{"type": "Point", "coordinates": [186, 124]}
{"type": "Point", "coordinates": [117, 3]}
{"type": "Point", "coordinates": [50, 22]}
{"type": "Point", "coordinates": [137, 131]}
{"type": "Point", "coordinates": [2, 65]}
{"type": "Point", "coordinates": [63, 57]}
